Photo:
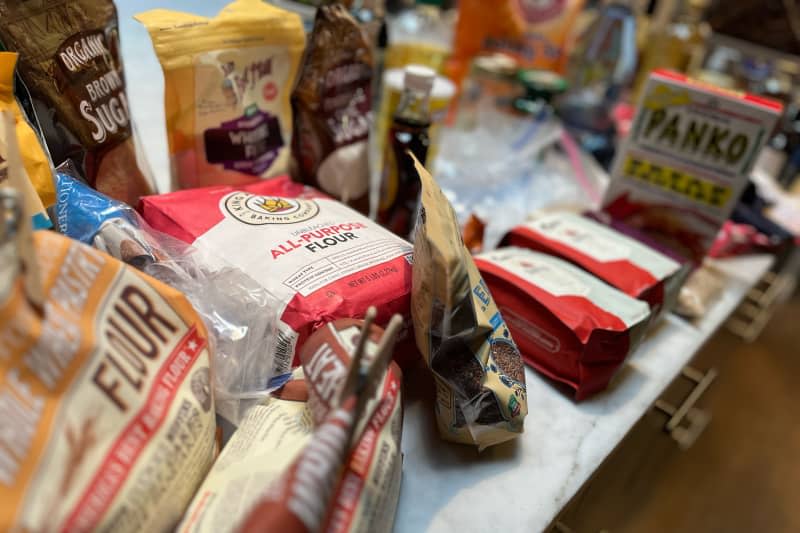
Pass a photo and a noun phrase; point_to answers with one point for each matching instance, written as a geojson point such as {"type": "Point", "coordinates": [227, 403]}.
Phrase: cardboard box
{"type": "Point", "coordinates": [687, 160]}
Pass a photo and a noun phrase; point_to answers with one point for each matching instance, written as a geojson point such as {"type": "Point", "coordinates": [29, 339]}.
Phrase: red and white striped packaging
{"type": "Point", "coordinates": [366, 494]}
{"type": "Point", "coordinates": [331, 487]}
{"type": "Point", "coordinates": [621, 261]}
{"type": "Point", "coordinates": [569, 325]}
{"type": "Point", "coordinates": [319, 258]}
{"type": "Point", "coordinates": [290, 467]}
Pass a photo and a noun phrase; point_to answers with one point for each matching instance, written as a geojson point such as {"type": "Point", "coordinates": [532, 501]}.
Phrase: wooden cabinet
{"type": "Point", "coordinates": [629, 474]}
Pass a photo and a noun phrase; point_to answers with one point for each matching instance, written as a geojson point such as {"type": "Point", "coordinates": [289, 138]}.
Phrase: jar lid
{"type": "Point", "coordinates": [495, 65]}
{"type": "Point", "coordinates": [442, 87]}
{"type": "Point", "coordinates": [544, 84]}
{"type": "Point", "coordinates": [545, 80]}
{"type": "Point", "coordinates": [419, 78]}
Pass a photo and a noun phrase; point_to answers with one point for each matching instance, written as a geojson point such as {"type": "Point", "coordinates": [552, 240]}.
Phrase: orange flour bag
{"type": "Point", "coordinates": [106, 416]}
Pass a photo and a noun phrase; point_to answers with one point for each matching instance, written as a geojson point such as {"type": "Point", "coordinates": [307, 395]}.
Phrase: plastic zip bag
{"type": "Point", "coordinates": [239, 313]}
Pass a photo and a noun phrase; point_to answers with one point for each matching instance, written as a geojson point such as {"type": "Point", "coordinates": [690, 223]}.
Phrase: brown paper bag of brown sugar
{"type": "Point", "coordinates": [106, 413]}
{"type": "Point", "coordinates": [69, 60]}
{"type": "Point", "coordinates": [331, 106]}
{"type": "Point", "coordinates": [480, 381]}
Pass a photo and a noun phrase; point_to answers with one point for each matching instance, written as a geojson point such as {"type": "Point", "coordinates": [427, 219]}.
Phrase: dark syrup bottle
{"type": "Point", "coordinates": [400, 186]}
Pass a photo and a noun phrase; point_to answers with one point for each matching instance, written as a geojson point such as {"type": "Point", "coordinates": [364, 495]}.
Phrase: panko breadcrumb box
{"type": "Point", "coordinates": [687, 160]}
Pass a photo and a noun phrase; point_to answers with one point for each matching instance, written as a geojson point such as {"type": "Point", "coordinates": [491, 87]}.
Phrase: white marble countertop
{"type": "Point", "coordinates": [523, 485]}
{"type": "Point", "coordinates": [518, 486]}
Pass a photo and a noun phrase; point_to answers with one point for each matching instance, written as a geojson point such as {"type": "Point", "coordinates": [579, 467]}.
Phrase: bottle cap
{"type": "Point", "coordinates": [495, 65]}
{"type": "Point", "coordinates": [419, 78]}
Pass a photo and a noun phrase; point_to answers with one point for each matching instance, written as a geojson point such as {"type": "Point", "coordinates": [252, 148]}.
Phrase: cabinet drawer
{"type": "Point", "coordinates": [627, 478]}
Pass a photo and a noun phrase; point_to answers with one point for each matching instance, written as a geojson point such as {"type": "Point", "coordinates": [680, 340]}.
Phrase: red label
{"type": "Point", "coordinates": [123, 454]}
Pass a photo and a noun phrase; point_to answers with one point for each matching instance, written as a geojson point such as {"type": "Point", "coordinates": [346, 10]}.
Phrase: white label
{"type": "Point", "coordinates": [297, 246]}
{"type": "Point", "coordinates": [602, 244]}
{"type": "Point", "coordinates": [560, 278]}
{"type": "Point", "coordinates": [239, 93]}
{"type": "Point", "coordinates": [262, 448]}
{"type": "Point", "coordinates": [569, 230]}
{"type": "Point", "coordinates": [545, 275]}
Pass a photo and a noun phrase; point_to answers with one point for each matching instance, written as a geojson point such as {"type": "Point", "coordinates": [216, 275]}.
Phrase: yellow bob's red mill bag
{"type": "Point", "coordinates": [227, 83]}
{"type": "Point", "coordinates": [106, 416]}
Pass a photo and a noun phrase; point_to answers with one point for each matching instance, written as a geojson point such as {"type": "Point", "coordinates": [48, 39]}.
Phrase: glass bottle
{"type": "Point", "coordinates": [420, 34]}
{"type": "Point", "coordinates": [400, 186]}
{"type": "Point", "coordinates": [678, 42]}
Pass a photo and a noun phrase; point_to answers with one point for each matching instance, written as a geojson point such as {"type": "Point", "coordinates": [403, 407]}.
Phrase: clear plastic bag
{"type": "Point", "coordinates": [240, 314]}
{"type": "Point", "coordinates": [511, 167]}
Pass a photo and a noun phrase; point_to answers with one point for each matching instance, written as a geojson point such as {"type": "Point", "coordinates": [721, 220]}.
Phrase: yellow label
{"type": "Point", "coordinates": [36, 165]}
{"type": "Point", "coordinates": [663, 96]}
{"type": "Point", "coordinates": [677, 182]}
{"type": "Point", "coordinates": [106, 416]}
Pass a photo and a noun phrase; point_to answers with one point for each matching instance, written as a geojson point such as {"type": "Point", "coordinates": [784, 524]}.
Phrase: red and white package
{"type": "Point", "coordinates": [319, 258]}
{"type": "Point", "coordinates": [568, 325]}
{"type": "Point", "coordinates": [290, 466]}
{"type": "Point", "coordinates": [366, 495]}
{"type": "Point", "coordinates": [621, 261]}
{"type": "Point", "coordinates": [330, 487]}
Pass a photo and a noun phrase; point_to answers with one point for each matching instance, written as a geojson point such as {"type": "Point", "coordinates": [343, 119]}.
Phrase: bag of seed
{"type": "Point", "coordinates": [331, 106]}
{"type": "Point", "coordinates": [106, 412]}
{"type": "Point", "coordinates": [480, 381]}
{"type": "Point", "coordinates": [69, 61]}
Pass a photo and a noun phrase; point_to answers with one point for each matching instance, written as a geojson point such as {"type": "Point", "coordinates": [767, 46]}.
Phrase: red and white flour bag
{"type": "Point", "coordinates": [621, 261]}
{"type": "Point", "coordinates": [289, 466]}
{"type": "Point", "coordinates": [319, 258]}
{"type": "Point", "coordinates": [106, 408]}
{"type": "Point", "coordinates": [568, 324]}
{"type": "Point", "coordinates": [366, 495]}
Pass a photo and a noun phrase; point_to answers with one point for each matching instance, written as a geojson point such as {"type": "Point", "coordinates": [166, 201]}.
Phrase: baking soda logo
{"type": "Point", "coordinates": [259, 210]}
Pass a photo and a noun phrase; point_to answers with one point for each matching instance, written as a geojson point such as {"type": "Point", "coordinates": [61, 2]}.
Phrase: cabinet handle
{"type": "Point", "coordinates": [696, 419]}
{"type": "Point", "coordinates": [561, 527]}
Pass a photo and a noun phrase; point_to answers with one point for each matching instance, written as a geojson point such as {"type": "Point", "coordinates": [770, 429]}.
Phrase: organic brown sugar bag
{"type": "Point", "coordinates": [331, 106]}
{"type": "Point", "coordinates": [69, 60]}
{"type": "Point", "coordinates": [481, 397]}
{"type": "Point", "coordinates": [227, 83]}
{"type": "Point", "coordinates": [106, 414]}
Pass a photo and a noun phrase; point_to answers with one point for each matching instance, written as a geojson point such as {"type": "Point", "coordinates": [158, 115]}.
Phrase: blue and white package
{"type": "Point", "coordinates": [239, 313]}
{"type": "Point", "coordinates": [81, 210]}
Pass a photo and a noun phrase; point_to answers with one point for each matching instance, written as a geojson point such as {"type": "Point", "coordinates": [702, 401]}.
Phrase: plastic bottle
{"type": "Point", "coordinates": [400, 186]}
{"type": "Point", "coordinates": [677, 45]}
{"type": "Point", "coordinates": [420, 35]}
